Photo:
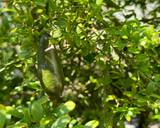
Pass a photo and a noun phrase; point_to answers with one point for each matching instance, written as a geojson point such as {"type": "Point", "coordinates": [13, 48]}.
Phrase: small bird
{"type": "Point", "coordinates": [50, 69]}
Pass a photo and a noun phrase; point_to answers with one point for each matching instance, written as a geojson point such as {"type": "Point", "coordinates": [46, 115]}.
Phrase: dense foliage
{"type": "Point", "coordinates": [110, 56]}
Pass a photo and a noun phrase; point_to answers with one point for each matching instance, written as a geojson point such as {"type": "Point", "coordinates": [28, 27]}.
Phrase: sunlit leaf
{"type": "Point", "coordinates": [110, 97]}
{"type": "Point", "coordinates": [128, 117]}
{"type": "Point", "coordinates": [72, 123]}
{"type": "Point", "coordinates": [79, 28]}
{"type": "Point", "coordinates": [66, 107]}
{"type": "Point", "coordinates": [13, 111]}
{"type": "Point", "coordinates": [7, 10]}
{"type": "Point", "coordinates": [99, 2]}
{"type": "Point", "coordinates": [92, 124]}
{"type": "Point", "coordinates": [157, 117]}
{"type": "Point", "coordinates": [45, 121]}
{"type": "Point", "coordinates": [56, 33]}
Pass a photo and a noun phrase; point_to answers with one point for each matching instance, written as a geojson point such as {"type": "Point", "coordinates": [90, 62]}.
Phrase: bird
{"type": "Point", "coordinates": [50, 71]}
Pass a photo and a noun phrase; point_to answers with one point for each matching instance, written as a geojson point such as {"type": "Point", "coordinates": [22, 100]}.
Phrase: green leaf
{"type": "Point", "coordinates": [61, 122]}
{"type": "Point", "coordinates": [13, 111]}
{"type": "Point", "coordinates": [2, 10]}
{"type": "Point", "coordinates": [128, 117]}
{"type": "Point", "coordinates": [157, 77]}
{"type": "Point", "coordinates": [36, 111]}
{"type": "Point", "coordinates": [70, 105]}
{"type": "Point", "coordinates": [151, 87]}
{"type": "Point", "coordinates": [157, 116]}
{"type": "Point", "coordinates": [33, 85]}
{"type": "Point", "coordinates": [66, 107]}
{"type": "Point", "coordinates": [27, 116]}
{"type": "Point", "coordinates": [110, 97]}
{"type": "Point", "coordinates": [18, 125]}
{"type": "Point", "coordinates": [43, 99]}
{"type": "Point", "coordinates": [99, 2]}
{"type": "Point", "coordinates": [79, 28]}
{"type": "Point", "coordinates": [45, 121]}
{"type": "Point", "coordinates": [57, 33]}
{"type": "Point", "coordinates": [92, 124]}
{"type": "Point", "coordinates": [2, 120]}
{"type": "Point", "coordinates": [79, 126]}
{"type": "Point", "coordinates": [72, 123]}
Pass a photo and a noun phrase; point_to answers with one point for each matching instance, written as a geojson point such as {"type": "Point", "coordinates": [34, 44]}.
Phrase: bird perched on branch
{"type": "Point", "coordinates": [49, 69]}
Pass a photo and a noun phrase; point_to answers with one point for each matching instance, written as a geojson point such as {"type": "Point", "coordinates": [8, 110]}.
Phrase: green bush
{"type": "Point", "coordinates": [110, 63]}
